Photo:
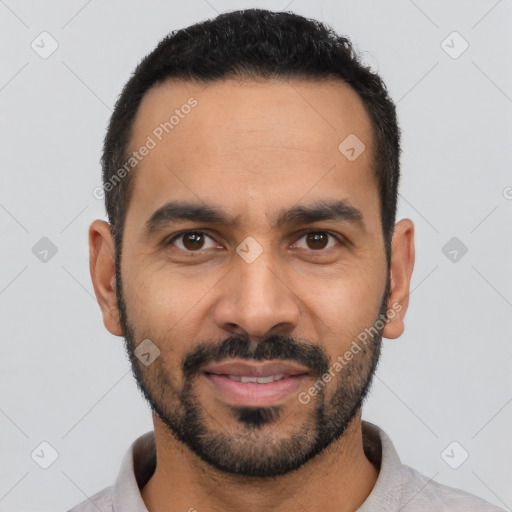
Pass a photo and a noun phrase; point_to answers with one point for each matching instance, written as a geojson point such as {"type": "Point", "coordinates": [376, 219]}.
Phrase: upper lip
{"type": "Point", "coordinates": [255, 368]}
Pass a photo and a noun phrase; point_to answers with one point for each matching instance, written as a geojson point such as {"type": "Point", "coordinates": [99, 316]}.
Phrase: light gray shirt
{"type": "Point", "coordinates": [398, 487]}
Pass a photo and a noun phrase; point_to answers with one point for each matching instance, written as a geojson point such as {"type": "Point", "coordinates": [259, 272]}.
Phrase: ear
{"type": "Point", "coordinates": [402, 263]}
{"type": "Point", "coordinates": [102, 268]}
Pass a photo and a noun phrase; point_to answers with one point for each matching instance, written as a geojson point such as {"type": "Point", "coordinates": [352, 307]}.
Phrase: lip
{"type": "Point", "coordinates": [256, 368]}
{"type": "Point", "coordinates": [252, 394]}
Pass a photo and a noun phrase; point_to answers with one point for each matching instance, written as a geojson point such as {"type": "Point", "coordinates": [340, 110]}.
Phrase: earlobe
{"type": "Point", "coordinates": [402, 264]}
{"type": "Point", "coordinates": [102, 269]}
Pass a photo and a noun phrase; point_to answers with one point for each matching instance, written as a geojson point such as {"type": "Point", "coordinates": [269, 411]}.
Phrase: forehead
{"type": "Point", "coordinates": [230, 142]}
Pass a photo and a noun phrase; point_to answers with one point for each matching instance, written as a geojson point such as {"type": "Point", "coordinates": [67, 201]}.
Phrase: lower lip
{"type": "Point", "coordinates": [251, 394]}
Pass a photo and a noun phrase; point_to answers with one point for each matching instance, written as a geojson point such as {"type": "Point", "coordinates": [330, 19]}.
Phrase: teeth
{"type": "Point", "coordinates": [265, 380]}
{"type": "Point", "coordinates": [256, 380]}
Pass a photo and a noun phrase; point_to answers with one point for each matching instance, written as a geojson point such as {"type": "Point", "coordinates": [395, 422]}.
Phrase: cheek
{"type": "Point", "coordinates": [344, 309]}
{"type": "Point", "coordinates": [166, 305]}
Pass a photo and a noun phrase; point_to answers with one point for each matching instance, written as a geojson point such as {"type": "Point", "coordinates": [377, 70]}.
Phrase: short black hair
{"type": "Point", "coordinates": [253, 43]}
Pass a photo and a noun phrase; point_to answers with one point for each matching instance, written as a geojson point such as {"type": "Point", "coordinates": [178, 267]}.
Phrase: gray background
{"type": "Point", "coordinates": [65, 380]}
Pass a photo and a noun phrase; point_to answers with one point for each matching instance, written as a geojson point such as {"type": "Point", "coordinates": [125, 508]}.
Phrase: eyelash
{"type": "Point", "coordinates": [173, 238]}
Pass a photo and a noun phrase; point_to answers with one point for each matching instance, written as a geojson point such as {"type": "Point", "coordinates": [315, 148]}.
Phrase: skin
{"type": "Point", "coordinates": [254, 148]}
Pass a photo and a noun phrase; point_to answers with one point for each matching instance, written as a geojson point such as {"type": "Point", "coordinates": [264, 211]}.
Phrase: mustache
{"type": "Point", "coordinates": [273, 347]}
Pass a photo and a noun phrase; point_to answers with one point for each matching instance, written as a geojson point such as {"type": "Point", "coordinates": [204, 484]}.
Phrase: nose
{"type": "Point", "coordinates": [256, 300]}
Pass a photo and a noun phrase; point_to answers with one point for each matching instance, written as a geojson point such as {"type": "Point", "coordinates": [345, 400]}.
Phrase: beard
{"type": "Point", "coordinates": [255, 447]}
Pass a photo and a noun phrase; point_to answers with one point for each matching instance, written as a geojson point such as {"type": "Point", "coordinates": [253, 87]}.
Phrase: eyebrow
{"type": "Point", "coordinates": [323, 210]}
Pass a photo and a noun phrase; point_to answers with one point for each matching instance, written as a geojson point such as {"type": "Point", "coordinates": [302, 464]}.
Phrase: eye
{"type": "Point", "coordinates": [192, 241]}
{"type": "Point", "coordinates": [197, 241]}
{"type": "Point", "coordinates": [317, 240]}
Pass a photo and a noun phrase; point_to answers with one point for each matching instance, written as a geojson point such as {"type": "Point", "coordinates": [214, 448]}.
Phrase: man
{"type": "Point", "coordinates": [253, 265]}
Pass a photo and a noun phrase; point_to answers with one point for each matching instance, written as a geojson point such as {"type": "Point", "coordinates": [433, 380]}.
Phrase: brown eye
{"type": "Point", "coordinates": [192, 241]}
{"type": "Point", "coordinates": [317, 241]}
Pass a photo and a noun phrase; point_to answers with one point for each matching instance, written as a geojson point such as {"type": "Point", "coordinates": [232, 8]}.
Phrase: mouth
{"type": "Point", "coordinates": [254, 383]}
{"type": "Point", "coordinates": [258, 380]}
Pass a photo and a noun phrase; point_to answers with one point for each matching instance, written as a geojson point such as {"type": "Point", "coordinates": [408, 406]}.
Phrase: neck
{"type": "Point", "coordinates": [338, 479]}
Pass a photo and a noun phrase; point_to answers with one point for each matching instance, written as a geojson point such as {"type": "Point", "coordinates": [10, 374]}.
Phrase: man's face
{"type": "Point", "coordinates": [231, 301]}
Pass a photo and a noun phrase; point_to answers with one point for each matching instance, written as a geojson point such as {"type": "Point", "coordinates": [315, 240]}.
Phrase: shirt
{"type": "Point", "coordinates": [398, 487]}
